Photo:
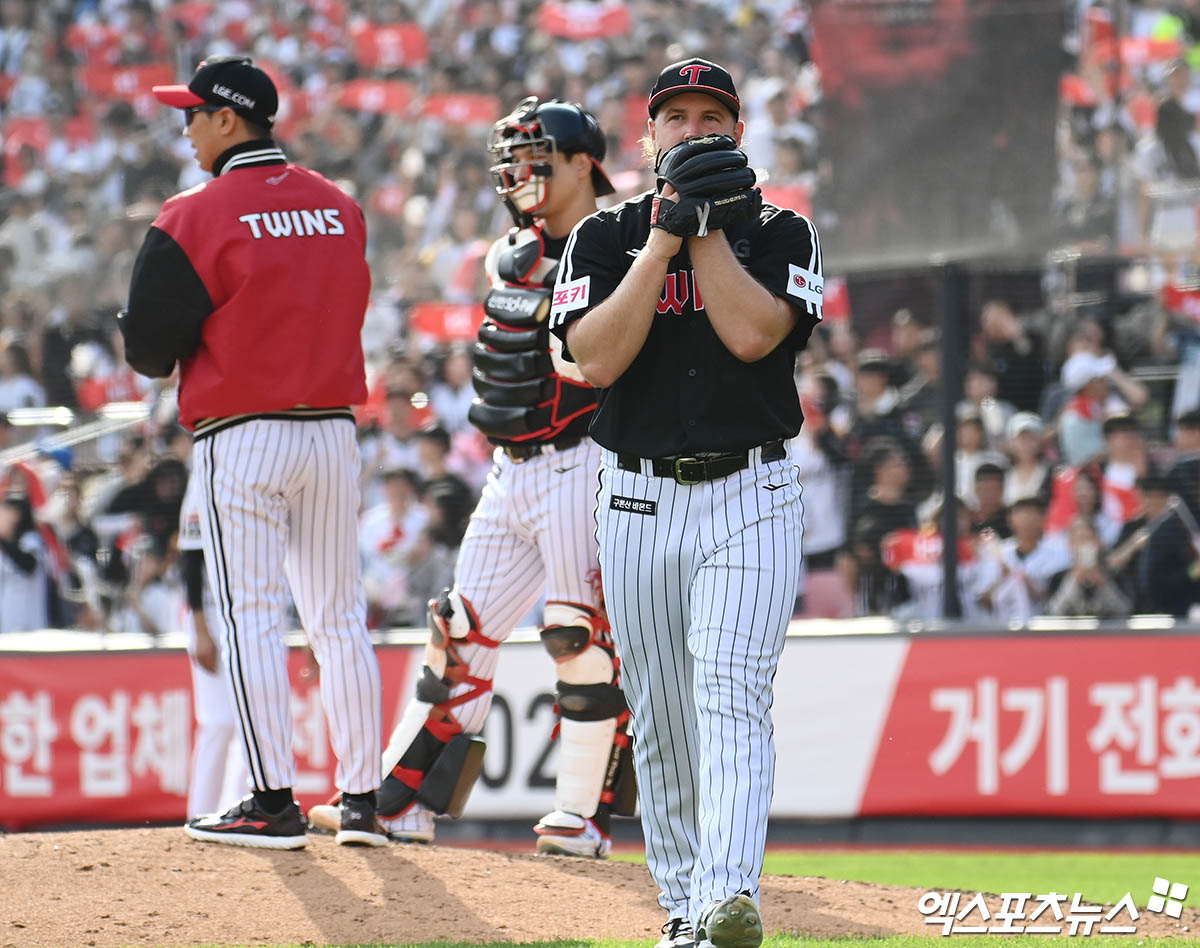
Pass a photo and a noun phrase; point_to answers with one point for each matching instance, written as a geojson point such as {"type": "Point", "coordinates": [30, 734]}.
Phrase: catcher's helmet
{"type": "Point", "coordinates": [547, 127]}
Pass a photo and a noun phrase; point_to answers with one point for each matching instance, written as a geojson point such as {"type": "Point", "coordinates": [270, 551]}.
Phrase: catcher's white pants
{"type": "Point", "coordinates": [700, 581]}
{"type": "Point", "coordinates": [281, 512]}
{"type": "Point", "coordinates": [532, 532]}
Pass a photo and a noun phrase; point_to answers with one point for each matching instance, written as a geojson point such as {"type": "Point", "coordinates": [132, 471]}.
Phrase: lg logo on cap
{"type": "Point", "coordinates": [692, 72]}
{"type": "Point", "coordinates": [236, 97]}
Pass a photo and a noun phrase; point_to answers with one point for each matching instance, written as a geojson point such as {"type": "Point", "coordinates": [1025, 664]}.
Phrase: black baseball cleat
{"type": "Point", "coordinates": [360, 827]}
{"type": "Point", "coordinates": [248, 824]}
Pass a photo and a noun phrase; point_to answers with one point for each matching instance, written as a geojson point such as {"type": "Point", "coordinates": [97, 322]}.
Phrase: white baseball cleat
{"type": "Point", "coordinates": [326, 818]}
{"type": "Point", "coordinates": [730, 923]}
{"type": "Point", "coordinates": [567, 834]}
{"type": "Point", "coordinates": [677, 933]}
{"type": "Point", "coordinates": [414, 825]}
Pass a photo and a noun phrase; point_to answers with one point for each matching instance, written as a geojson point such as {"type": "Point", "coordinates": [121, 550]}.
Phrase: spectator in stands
{"type": "Point", "coordinates": [990, 512]}
{"type": "Point", "coordinates": [1087, 501]}
{"type": "Point", "coordinates": [1126, 559]}
{"type": "Point", "coordinates": [447, 497]}
{"type": "Point", "coordinates": [73, 322]}
{"type": "Point", "coordinates": [16, 33]}
{"type": "Point", "coordinates": [152, 604]}
{"type": "Point", "coordinates": [1169, 569]}
{"type": "Point", "coordinates": [906, 340]}
{"type": "Point", "coordinates": [1184, 474]}
{"type": "Point", "coordinates": [1080, 428]}
{"type": "Point", "coordinates": [820, 460]}
{"type": "Point", "coordinates": [1087, 215]}
{"type": "Point", "coordinates": [80, 590]}
{"type": "Point", "coordinates": [1028, 475]}
{"type": "Point", "coordinates": [1125, 460]}
{"type": "Point", "coordinates": [18, 387]}
{"type": "Point", "coordinates": [1087, 588]}
{"type": "Point", "coordinates": [917, 556]}
{"type": "Point", "coordinates": [921, 397]}
{"type": "Point", "coordinates": [1024, 564]}
{"type": "Point", "coordinates": [394, 446]}
{"type": "Point", "coordinates": [30, 235]}
{"type": "Point", "coordinates": [980, 388]}
{"type": "Point", "coordinates": [885, 509]}
{"type": "Point", "coordinates": [972, 451]}
{"type": "Point", "coordinates": [24, 587]}
{"type": "Point", "coordinates": [392, 542]}
{"type": "Point", "coordinates": [1174, 124]}
{"type": "Point", "coordinates": [1015, 355]}
{"type": "Point", "coordinates": [452, 394]}
{"type": "Point", "coordinates": [877, 415]}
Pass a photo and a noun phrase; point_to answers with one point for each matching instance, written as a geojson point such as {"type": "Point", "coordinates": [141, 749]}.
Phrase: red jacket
{"type": "Point", "coordinates": [256, 283]}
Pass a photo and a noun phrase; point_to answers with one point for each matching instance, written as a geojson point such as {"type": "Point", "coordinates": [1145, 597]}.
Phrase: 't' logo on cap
{"type": "Point", "coordinates": [692, 72]}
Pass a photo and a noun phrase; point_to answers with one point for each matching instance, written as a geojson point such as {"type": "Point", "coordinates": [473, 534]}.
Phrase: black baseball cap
{"type": "Point", "coordinates": [694, 75]}
{"type": "Point", "coordinates": [231, 81]}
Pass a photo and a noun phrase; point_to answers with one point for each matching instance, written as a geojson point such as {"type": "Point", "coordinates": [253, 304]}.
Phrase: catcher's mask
{"type": "Point", "coordinates": [545, 129]}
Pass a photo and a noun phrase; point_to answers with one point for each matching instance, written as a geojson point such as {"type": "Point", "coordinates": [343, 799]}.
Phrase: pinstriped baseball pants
{"type": "Point", "coordinates": [281, 509]}
{"type": "Point", "coordinates": [700, 581]}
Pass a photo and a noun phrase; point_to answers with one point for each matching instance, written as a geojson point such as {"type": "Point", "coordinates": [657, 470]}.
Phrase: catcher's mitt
{"type": "Point", "coordinates": [715, 185]}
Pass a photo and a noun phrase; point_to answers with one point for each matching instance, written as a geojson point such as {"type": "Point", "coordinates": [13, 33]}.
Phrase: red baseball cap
{"type": "Point", "coordinates": [694, 75]}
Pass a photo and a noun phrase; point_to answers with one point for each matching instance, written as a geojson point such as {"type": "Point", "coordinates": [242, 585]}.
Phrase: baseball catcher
{"type": "Point", "coordinates": [533, 528]}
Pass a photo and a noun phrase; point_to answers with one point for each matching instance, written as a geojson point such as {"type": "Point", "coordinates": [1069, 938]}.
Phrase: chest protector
{"type": "Point", "coordinates": [524, 394]}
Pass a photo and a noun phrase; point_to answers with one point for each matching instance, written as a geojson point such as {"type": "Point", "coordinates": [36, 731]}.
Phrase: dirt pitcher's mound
{"type": "Point", "coordinates": [157, 887]}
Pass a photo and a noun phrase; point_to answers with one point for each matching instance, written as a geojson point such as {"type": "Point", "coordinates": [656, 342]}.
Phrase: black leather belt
{"type": "Point", "coordinates": [523, 452]}
{"type": "Point", "coordinates": [693, 470]}
{"type": "Point", "coordinates": [817, 562]}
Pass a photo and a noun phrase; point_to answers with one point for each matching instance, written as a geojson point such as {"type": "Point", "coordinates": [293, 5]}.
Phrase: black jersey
{"type": "Point", "coordinates": [684, 391]}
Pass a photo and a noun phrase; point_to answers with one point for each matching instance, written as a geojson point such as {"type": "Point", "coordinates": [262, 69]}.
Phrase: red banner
{"type": "Point", "coordinates": [385, 97]}
{"type": "Point", "coordinates": [106, 737]}
{"type": "Point", "coordinates": [581, 21]}
{"type": "Point", "coordinates": [462, 108]}
{"type": "Point", "coordinates": [97, 42]}
{"type": "Point", "coordinates": [128, 83]}
{"type": "Point", "coordinates": [1055, 726]}
{"type": "Point", "coordinates": [448, 322]}
{"type": "Point", "coordinates": [384, 48]}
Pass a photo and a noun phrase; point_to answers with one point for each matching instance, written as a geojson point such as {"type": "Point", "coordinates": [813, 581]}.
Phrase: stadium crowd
{"type": "Point", "coordinates": [1068, 506]}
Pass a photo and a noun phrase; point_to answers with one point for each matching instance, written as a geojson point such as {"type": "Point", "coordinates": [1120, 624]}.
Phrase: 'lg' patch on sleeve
{"type": "Point", "coordinates": [806, 285]}
{"type": "Point", "coordinates": [647, 508]}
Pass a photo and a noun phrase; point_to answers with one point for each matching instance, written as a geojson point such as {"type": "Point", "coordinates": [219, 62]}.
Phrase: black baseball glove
{"type": "Point", "coordinates": [715, 185]}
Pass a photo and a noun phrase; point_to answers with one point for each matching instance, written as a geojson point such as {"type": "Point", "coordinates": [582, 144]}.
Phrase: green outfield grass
{"type": "Point", "coordinates": [1098, 876]}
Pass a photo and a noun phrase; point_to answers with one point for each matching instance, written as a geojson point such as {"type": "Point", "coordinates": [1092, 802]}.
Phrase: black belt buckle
{"type": "Point", "coordinates": [678, 471]}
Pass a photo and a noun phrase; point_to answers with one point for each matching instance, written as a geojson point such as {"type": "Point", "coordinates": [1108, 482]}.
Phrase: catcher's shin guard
{"type": "Point", "coordinates": [593, 726]}
{"type": "Point", "coordinates": [428, 758]}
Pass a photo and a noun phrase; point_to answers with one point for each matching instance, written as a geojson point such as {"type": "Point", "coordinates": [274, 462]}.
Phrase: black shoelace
{"type": "Point", "coordinates": [676, 927]}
